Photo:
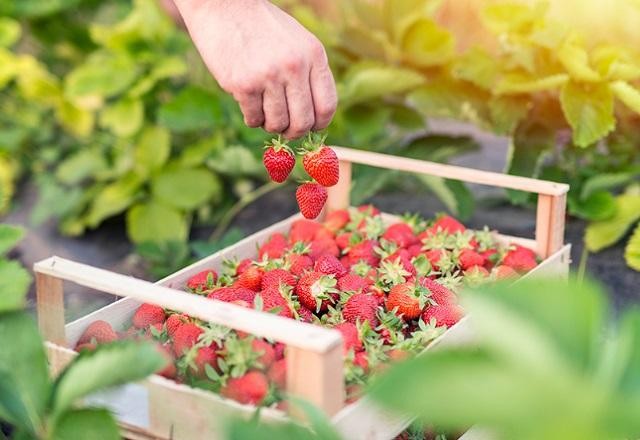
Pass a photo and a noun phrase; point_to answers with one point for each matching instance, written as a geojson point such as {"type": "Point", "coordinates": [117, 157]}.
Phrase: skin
{"type": "Point", "coordinates": [275, 69]}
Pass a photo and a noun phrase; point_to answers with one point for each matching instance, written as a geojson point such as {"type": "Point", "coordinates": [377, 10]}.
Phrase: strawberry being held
{"type": "Point", "coordinates": [311, 198]}
{"type": "Point", "coordinates": [279, 160]}
{"type": "Point", "coordinates": [320, 161]}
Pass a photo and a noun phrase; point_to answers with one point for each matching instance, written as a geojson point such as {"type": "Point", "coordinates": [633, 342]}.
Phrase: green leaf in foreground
{"type": "Point", "coordinates": [86, 424]}
{"type": "Point", "coordinates": [599, 205]}
{"type": "Point", "coordinates": [108, 366]}
{"type": "Point", "coordinates": [632, 250]}
{"type": "Point", "coordinates": [14, 285]}
{"type": "Point", "coordinates": [602, 234]}
{"type": "Point", "coordinates": [9, 237]}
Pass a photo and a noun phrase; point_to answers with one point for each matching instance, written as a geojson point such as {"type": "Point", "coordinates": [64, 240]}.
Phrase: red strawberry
{"type": "Point", "coordinates": [520, 259]}
{"type": "Point", "coordinates": [275, 247]}
{"type": "Point", "coordinates": [489, 257]}
{"type": "Point", "coordinates": [311, 198]}
{"type": "Point", "coordinates": [352, 283]}
{"type": "Point", "coordinates": [251, 278]}
{"type": "Point", "coordinates": [316, 290]}
{"type": "Point", "coordinates": [407, 299]}
{"type": "Point", "coordinates": [330, 265]}
{"type": "Point", "coordinates": [364, 251]}
{"type": "Point", "coordinates": [350, 337]}
{"type": "Point", "coordinates": [504, 273]}
{"type": "Point", "coordinates": [321, 247]}
{"type": "Point", "coordinates": [278, 374]}
{"type": "Point", "coordinates": [174, 321]}
{"type": "Point", "coordinates": [361, 307]}
{"type": "Point", "coordinates": [299, 264]}
{"type": "Point", "coordinates": [232, 294]}
{"type": "Point", "coordinates": [169, 370]}
{"type": "Point", "coordinates": [305, 314]}
{"type": "Point", "coordinates": [148, 314]}
{"type": "Point", "coordinates": [414, 250]}
{"type": "Point", "coordinates": [361, 360]}
{"type": "Point", "coordinates": [402, 256]}
{"type": "Point", "coordinates": [266, 351]}
{"type": "Point", "coordinates": [99, 331]}
{"type": "Point", "coordinates": [205, 356]}
{"type": "Point", "coordinates": [243, 265]}
{"type": "Point", "coordinates": [274, 278]}
{"type": "Point", "coordinates": [203, 280]}
{"type": "Point", "coordinates": [442, 314]}
{"type": "Point", "coordinates": [344, 240]}
{"type": "Point", "coordinates": [369, 210]}
{"type": "Point", "coordinates": [324, 234]}
{"type": "Point", "coordinates": [320, 162]}
{"type": "Point", "coordinates": [278, 348]}
{"type": "Point", "coordinates": [400, 234]}
{"type": "Point", "coordinates": [272, 299]}
{"type": "Point", "coordinates": [448, 224]}
{"type": "Point", "coordinates": [439, 293]}
{"type": "Point", "coordinates": [434, 256]}
{"type": "Point", "coordinates": [469, 258]}
{"type": "Point", "coordinates": [250, 388]}
{"type": "Point", "coordinates": [279, 160]}
{"type": "Point", "coordinates": [303, 230]}
{"type": "Point", "coordinates": [336, 220]}
{"type": "Point", "coordinates": [185, 337]}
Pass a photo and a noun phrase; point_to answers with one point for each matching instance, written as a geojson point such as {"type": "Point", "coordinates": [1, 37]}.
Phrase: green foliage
{"type": "Point", "coordinates": [541, 367]}
{"type": "Point", "coordinates": [14, 279]}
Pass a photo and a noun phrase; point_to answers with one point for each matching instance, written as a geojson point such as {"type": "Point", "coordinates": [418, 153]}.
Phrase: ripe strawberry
{"type": "Point", "coordinates": [231, 294]}
{"type": "Point", "coordinates": [205, 356]}
{"type": "Point", "coordinates": [442, 314]}
{"type": "Point", "coordinates": [99, 331]}
{"type": "Point", "coordinates": [469, 258]}
{"type": "Point", "coordinates": [520, 259]}
{"type": "Point", "coordinates": [305, 314]}
{"type": "Point", "coordinates": [350, 337]}
{"type": "Point", "coordinates": [336, 220]}
{"type": "Point", "coordinates": [279, 160]}
{"type": "Point", "coordinates": [250, 388]}
{"type": "Point", "coordinates": [311, 198]}
{"type": "Point", "coordinates": [266, 351]}
{"type": "Point", "coordinates": [434, 256]}
{"type": "Point", "coordinates": [316, 290]}
{"type": "Point", "coordinates": [438, 293]}
{"type": "Point", "coordinates": [407, 299]}
{"type": "Point", "coordinates": [174, 321]}
{"type": "Point", "coordinates": [324, 234]}
{"type": "Point", "coordinates": [401, 234]}
{"type": "Point", "coordinates": [344, 240]}
{"type": "Point", "coordinates": [320, 161]}
{"type": "Point", "coordinates": [330, 265]}
{"type": "Point", "coordinates": [361, 307]}
{"type": "Point", "coordinates": [321, 247]}
{"type": "Point", "coordinates": [364, 251]}
{"type": "Point", "coordinates": [504, 272]}
{"type": "Point", "coordinates": [169, 370]}
{"type": "Point", "coordinates": [303, 230]}
{"type": "Point", "coordinates": [185, 337]}
{"type": "Point", "coordinates": [352, 283]}
{"type": "Point", "coordinates": [203, 280]}
{"type": "Point", "coordinates": [275, 277]}
{"type": "Point", "coordinates": [370, 210]}
{"type": "Point", "coordinates": [489, 257]}
{"type": "Point", "coordinates": [414, 250]}
{"type": "Point", "coordinates": [251, 278]}
{"type": "Point", "coordinates": [448, 224]}
{"type": "Point", "coordinates": [299, 264]}
{"type": "Point", "coordinates": [277, 374]}
{"type": "Point", "coordinates": [275, 247]}
{"type": "Point", "coordinates": [243, 265]}
{"type": "Point", "coordinates": [402, 256]}
{"type": "Point", "coordinates": [278, 348]}
{"type": "Point", "coordinates": [361, 360]}
{"type": "Point", "coordinates": [273, 300]}
{"type": "Point", "coordinates": [148, 314]}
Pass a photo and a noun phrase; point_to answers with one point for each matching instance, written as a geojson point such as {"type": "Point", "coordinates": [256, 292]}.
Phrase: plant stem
{"type": "Point", "coordinates": [242, 203]}
{"type": "Point", "coordinates": [582, 266]}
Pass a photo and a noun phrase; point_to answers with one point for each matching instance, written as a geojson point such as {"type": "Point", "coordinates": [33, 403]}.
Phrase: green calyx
{"type": "Point", "coordinates": [313, 142]}
{"type": "Point", "coordinates": [278, 144]}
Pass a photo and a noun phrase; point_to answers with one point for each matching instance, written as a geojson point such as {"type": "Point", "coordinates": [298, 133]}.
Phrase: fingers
{"type": "Point", "coordinates": [251, 107]}
{"type": "Point", "coordinates": [325, 96]}
{"type": "Point", "coordinates": [274, 105]}
{"type": "Point", "coordinates": [300, 102]}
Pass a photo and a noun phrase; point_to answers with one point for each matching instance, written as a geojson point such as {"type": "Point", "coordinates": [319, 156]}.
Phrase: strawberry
{"type": "Point", "coordinates": [442, 314]}
{"type": "Point", "coordinates": [205, 356]}
{"type": "Point", "coordinates": [251, 278]}
{"type": "Point", "coordinates": [266, 352]}
{"type": "Point", "coordinates": [469, 258]}
{"type": "Point", "coordinates": [99, 331]}
{"type": "Point", "coordinates": [520, 259]}
{"type": "Point", "coordinates": [407, 299]}
{"type": "Point", "coordinates": [278, 348]}
{"type": "Point", "coordinates": [277, 374]}
{"type": "Point", "coordinates": [231, 294]}
{"type": "Point", "coordinates": [303, 230]}
{"type": "Point", "coordinates": [336, 220]}
{"type": "Point", "coordinates": [169, 370]}
{"type": "Point", "coordinates": [414, 250]}
{"type": "Point", "coordinates": [435, 256]}
{"type": "Point", "coordinates": [185, 337]}
{"type": "Point", "coordinates": [321, 247]}
{"type": "Point", "coordinates": [250, 388]}
{"type": "Point", "coordinates": [439, 294]}
{"type": "Point", "coordinates": [364, 251]}
{"type": "Point", "coordinates": [361, 307]}
{"type": "Point", "coordinates": [148, 314]}
{"type": "Point", "coordinates": [202, 280]}
{"type": "Point", "coordinates": [350, 336]}
{"type": "Point", "coordinates": [275, 247]}
{"type": "Point", "coordinates": [243, 265]}
{"type": "Point", "coordinates": [272, 301]}
{"type": "Point", "coordinates": [311, 198]}
{"type": "Point", "coordinates": [305, 314]}
{"type": "Point", "coordinates": [320, 161]}
{"type": "Point", "coordinates": [275, 277]}
{"type": "Point", "coordinates": [361, 360]}
{"type": "Point", "coordinates": [324, 234]}
{"type": "Point", "coordinates": [489, 257]}
{"type": "Point", "coordinates": [299, 264]}
{"type": "Point", "coordinates": [316, 290]}
{"type": "Point", "coordinates": [344, 240]}
{"type": "Point", "coordinates": [369, 210]}
{"type": "Point", "coordinates": [330, 265]}
{"type": "Point", "coordinates": [401, 234]}
{"type": "Point", "coordinates": [448, 224]}
{"type": "Point", "coordinates": [352, 282]}
{"type": "Point", "coordinates": [279, 160]}
{"type": "Point", "coordinates": [504, 273]}
{"type": "Point", "coordinates": [174, 321]}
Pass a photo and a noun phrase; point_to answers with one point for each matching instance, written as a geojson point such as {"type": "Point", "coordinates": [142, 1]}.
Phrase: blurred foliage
{"type": "Point", "coordinates": [549, 362]}
{"type": "Point", "coordinates": [14, 279]}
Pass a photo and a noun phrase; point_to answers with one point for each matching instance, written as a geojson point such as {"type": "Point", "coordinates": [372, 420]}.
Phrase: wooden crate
{"type": "Point", "coordinates": [158, 408]}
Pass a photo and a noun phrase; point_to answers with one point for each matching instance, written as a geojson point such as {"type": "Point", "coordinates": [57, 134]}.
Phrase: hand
{"type": "Point", "coordinates": [276, 69]}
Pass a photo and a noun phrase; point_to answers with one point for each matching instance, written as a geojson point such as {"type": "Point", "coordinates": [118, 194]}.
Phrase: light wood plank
{"type": "Point", "coordinates": [50, 307]}
{"type": "Point", "coordinates": [339, 193]}
{"type": "Point", "coordinates": [550, 223]}
{"type": "Point", "coordinates": [291, 332]}
{"type": "Point", "coordinates": [450, 171]}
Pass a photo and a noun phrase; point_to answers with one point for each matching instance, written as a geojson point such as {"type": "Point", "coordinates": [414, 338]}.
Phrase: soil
{"type": "Point", "coordinates": [108, 247]}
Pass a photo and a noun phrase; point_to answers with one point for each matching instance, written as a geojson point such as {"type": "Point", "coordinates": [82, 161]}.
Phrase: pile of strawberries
{"type": "Point", "coordinates": [389, 290]}
{"type": "Point", "coordinates": [318, 160]}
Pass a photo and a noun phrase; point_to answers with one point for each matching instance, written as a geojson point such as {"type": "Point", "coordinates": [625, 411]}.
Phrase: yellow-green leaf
{"type": "Point", "coordinates": [575, 59]}
{"type": "Point", "coordinates": [124, 118]}
{"type": "Point", "coordinates": [427, 44]}
{"type": "Point", "coordinates": [602, 234]}
{"type": "Point", "coordinates": [152, 149]}
{"type": "Point", "coordinates": [512, 17]}
{"type": "Point", "coordinates": [519, 83]}
{"type": "Point", "coordinates": [113, 199]}
{"type": "Point", "coordinates": [589, 110]}
{"type": "Point", "coordinates": [477, 67]}
{"type": "Point", "coordinates": [9, 31]}
{"type": "Point", "coordinates": [632, 250]}
{"type": "Point", "coordinates": [75, 120]}
{"type": "Point", "coordinates": [364, 83]}
{"type": "Point", "coordinates": [615, 63]}
{"type": "Point", "coordinates": [156, 222]}
{"type": "Point", "coordinates": [627, 94]}
{"type": "Point", "coordinates": [103, 75]}
{"type": "Point", "coordinates": [186, 188]}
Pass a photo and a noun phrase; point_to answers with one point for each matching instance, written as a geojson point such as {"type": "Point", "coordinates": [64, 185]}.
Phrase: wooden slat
{"type": "Point", "coordinates": [50, 307]}
{"type": "Point", "coordinates": [451, 172]}
{"type": "Point", "coordinates": [550, 223]}
{"type": "Point", "coordinates": [339, 193]}
{"type": "Point", "coordinates": [326, 389]}
{"type": "Point", "coordinates": [298, 334]}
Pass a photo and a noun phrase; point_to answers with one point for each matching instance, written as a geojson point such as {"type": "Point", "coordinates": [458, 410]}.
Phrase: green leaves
{"type": "Point", "coordinates": [111, 365]}
{"type": "Point", "coordinates": [192, 109]}
{"type": "Point", "coordinates": [365, 82]}
{"type": "Point", "coordinates": [627, 94]}
{"type": "Point", "coordinates": [113, 199]}
{"type": "Point", "coordinates": [601, 234]}
{"type": "Point", "coordinates": [102, 76]}
{"type": "Point", "coordinates": [186, 188]}
{"type": "Point", "coordinates": [152, 150]}
{"type": "Point", "coordinates": [14, 279]}
{"type": "Point", "coordinates": [9, 31]}
{"type": "Point", "coordinates": [86, 424]}
{"type": "Point", "coordinates": [156, 222]}
{"type": "Point", "coordinates": [9, 237]}
{"type": "Point", "coordinates": [124, 118]}
{"type": "Point", "coordinates": [426, 44]}
{"type": "Point", "coordinates": [589, 111]}
{"type": "Point", "coordinates": [599, 205]}
{"type": "Point", "coordinates": [632, 250]}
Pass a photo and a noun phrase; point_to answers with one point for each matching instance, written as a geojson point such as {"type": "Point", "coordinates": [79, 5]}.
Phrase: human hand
{"type": "Point", "coordinates": [275, 69]}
